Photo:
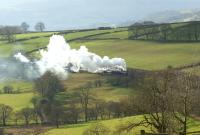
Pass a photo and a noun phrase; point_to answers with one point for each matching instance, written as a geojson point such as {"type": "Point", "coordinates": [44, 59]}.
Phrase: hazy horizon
{"type": "Point", "coordinates": [69, 14]}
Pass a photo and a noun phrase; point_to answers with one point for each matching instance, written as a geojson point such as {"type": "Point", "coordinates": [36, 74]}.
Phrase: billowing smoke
{"type": "Point", "coordinates": [22, 58]}
{"type": "Point", "coordinates": [60, 59]}
{"type": "Point", "coordinates": [12, 69]}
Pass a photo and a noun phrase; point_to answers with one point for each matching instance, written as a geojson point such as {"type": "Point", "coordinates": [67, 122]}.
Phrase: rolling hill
{"type": "Point", "coordinates": [139, 54]}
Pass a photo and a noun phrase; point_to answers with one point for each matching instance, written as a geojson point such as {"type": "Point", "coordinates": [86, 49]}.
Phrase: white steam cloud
{"type": "Point", "coordinates": [22, 58]}
{"type": "Point", "coordinates": [60, 58]}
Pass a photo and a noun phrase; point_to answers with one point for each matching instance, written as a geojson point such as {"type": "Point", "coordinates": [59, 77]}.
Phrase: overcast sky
{"type": "Point", "coordinates": [65, 14]}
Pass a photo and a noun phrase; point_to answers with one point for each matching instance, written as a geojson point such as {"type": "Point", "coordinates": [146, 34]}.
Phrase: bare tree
{"type": "Point", "coordinates": [57, 112]}
{"type": "Point", "coordinates": [185, 98]}
{"type": "Point", "coordinates": [114, 109]}
{"type": "Point", "coordinates": [39, 26]}
{"type": "Point", "coordinates": [167, 100]}
{"type": "Point", "coordinates": [154, 101]}
{"type": "Point", "coordinates": [48, 85]}
{"type": "Point", "coordinates": [27, 114]}
{"type": "Point", "coordinates": [25, 27]}
{"type": "Point", "coordinates": [17, 116]}
{"type": "Point", "coordinates": [5, 111]}
{"type": "Point", "coordinates": [8, 32]}
{"type": "Point", "coordinates": [74, 112]}
{"type": "Point", "coordinates": [85, 96]}
{"type": "Point", "coordinates": [100, 109]}
{"type": "Point", "coordinates": [127, 106]}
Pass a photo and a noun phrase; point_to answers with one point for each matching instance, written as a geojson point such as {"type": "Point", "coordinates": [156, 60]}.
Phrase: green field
{"type": "Point", "coordinates": [75, 35]}
{"type": "Point", "coordinates": [111, 124]}
{"type": "Point", "coordinates": [105, 92]}
{"type": "Point", "coordinates": [17, 101]}
{"type": "Point", "coordinates": [138, 54]}
{"type": "Point", "coordinates": [117, 35]}
{"type": "Point", "coordinates": [18, 85]}
{"type": "Point", "coordinates": [35, 34]}
{"type": "Point", "coordinates": [146, 55]}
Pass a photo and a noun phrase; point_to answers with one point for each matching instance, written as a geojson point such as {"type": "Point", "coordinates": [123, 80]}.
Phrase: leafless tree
{"type": "Point", "coordinates": [8, 32]}
{"type": "Point", "coordinates": [185, 98]}
{"type": "Point", "coordinates": [114, 109]}
{"type": "Point", "coordinates": [48, 85]}
{"type": "Point", "coordinates": [5, 111]}
{"type": "Point", "coordinates": [167, 99]}
{"type": "Point", "coordinates": [152, 102]}
{"type": "Point", "coordinates": [25, 27]}
{"type": "Point", "coordinates": [17, 116]}
{"type": "Point", "coordinates": [57, 112]}
{"type": "Point", "coordinates": [39, 26]}
{"type": "Point", "coordinates": [74, 111]}
{"type": "Point", "coordinates": [85, 97]}
{"type": "Point", "coordinates": [27, 114]}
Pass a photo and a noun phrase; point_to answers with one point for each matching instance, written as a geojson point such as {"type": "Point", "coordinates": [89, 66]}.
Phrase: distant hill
{"type": "Point", "coordinates": [174, 16]}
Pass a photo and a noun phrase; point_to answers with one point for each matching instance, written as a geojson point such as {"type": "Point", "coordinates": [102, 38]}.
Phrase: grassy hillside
{"type": "Point", "coordinates": [181, 31]}
{"type": "Point", "coordinates": [80, 128]}
{"type": "Point", "coordinates": [138, 54]}
{"type": "Point", "coordinates": [145, 54]}
{"type": "Point", "coordinates": [112, 125]}
{"type": "Point", "coordinates": [116, 35]}
{"type": "Point", "coordinates": [105, 92]}
{"type": "Point", "coordinates": [34, 34]}
{"type": "Point", "coordinates": [17, 101]}
{"type": "Point", "coordinates": [75, 35]}
{"type": "Point", "coordinates": [18, 85]}
{"type": "Point", "coordinates": [24, 90]}
{"type": "Point", "coordinates": [41, 41]}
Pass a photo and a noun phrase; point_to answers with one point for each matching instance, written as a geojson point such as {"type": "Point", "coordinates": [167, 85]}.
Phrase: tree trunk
{"type": "Point", "coordinates": [57, 124]}
{"type": "Point", "coordinates": [86, 115]}
{"type": "Point", "coordinates": [27, 122]}
{"type": "Point", "coordinates": [4, 121]}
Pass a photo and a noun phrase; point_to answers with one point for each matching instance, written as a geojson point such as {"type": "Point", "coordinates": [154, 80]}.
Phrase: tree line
{"type": "Point", "coordinates": [166, 32]}
{"type": "Point", "coordinates": [168, 101]}
{"type": "Point", "coordinates": [79, 106]}
{"type": "Point", "coordinates": [8, 32]}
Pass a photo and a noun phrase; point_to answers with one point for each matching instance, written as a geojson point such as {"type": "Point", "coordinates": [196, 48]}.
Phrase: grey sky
{"type": "Point", "coordinates": [64, 14]}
